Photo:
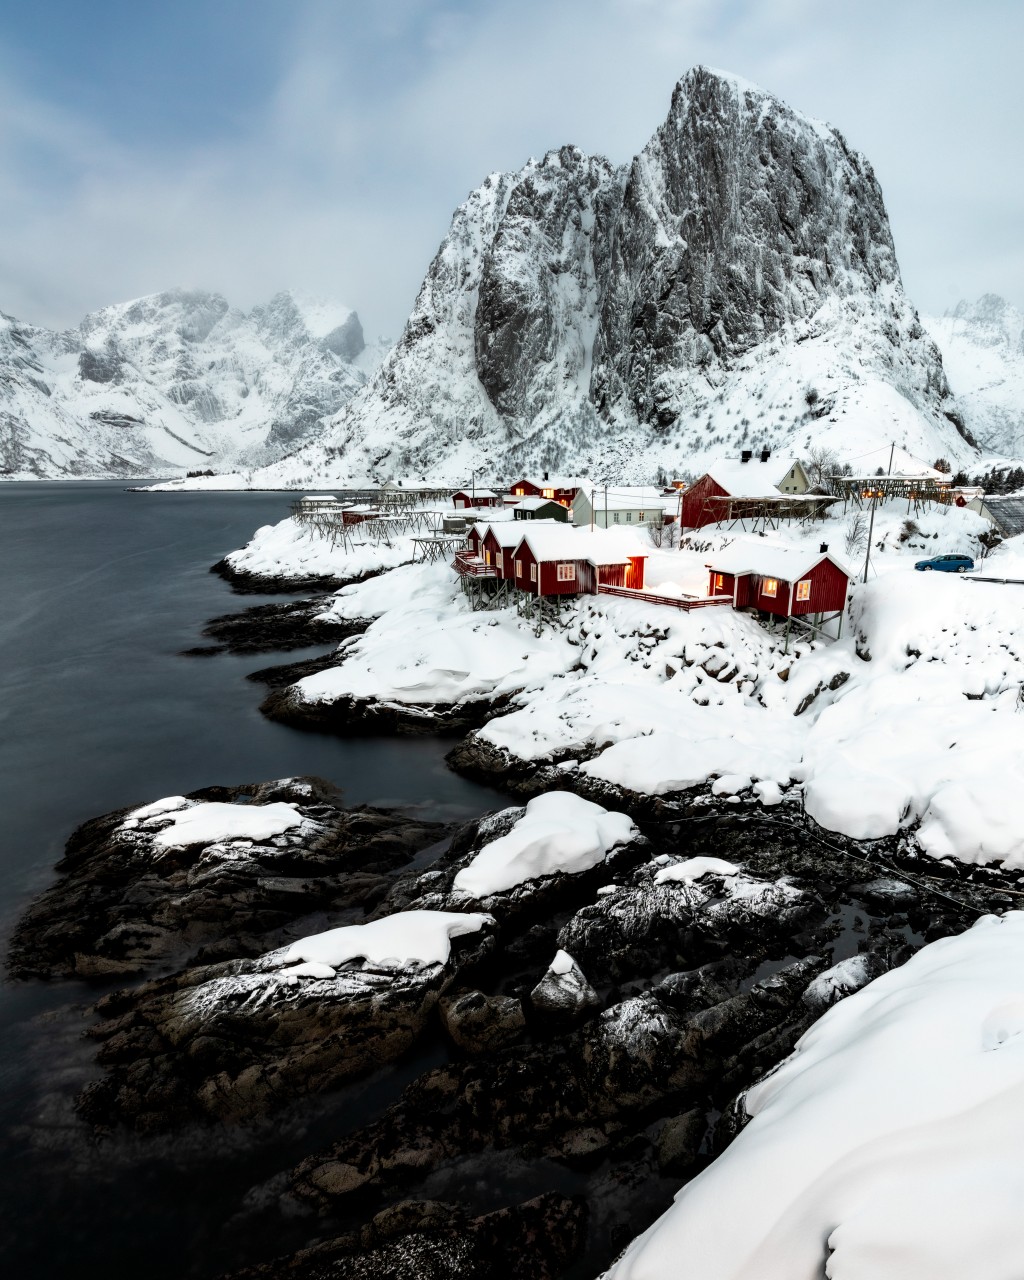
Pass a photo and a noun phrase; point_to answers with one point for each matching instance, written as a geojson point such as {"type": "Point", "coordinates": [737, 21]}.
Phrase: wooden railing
{"type": "Point", "coordinates": [473, 567]}
{"type": "Point", "coordinates": [674, 602]}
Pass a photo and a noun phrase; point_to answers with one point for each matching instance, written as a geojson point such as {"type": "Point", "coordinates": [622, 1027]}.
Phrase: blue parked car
{"type": "Point", "coordinates": [947, 564]}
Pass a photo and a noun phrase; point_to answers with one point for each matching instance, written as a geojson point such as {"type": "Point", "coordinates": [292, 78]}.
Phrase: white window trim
{"type": "Point", "coordinates": [770, 587]}
{"type": "Point", "coordinates": [803, 589]}
{"type": "Point", "coordinates": [533, 573]}
{"type": "Point", "coordinates": [567, 572]}
{"type": "Point", "coordinates": [519, 568]}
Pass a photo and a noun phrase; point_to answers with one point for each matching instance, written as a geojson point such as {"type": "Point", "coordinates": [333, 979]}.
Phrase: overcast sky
{"type": "Point", "coordinates": [252, 145]}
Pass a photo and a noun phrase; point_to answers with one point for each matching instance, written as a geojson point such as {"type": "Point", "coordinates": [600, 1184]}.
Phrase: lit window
{"type": "Point", "coordinates": [520, 492]}
{"type": "Point", "coordinates": [567, 572]}
{"type": "Point", "coordinates": [641, 517]}
{"type": "Point", "coordinates": [487, 557]}
{"type": "Point", "coordinates": [770, 587]}
{"type": "Point", "coordinates": [719, 581]}
{"type": "Point", "coordinates": [803, 589]}
{"type": "Point", "coordinates": [548, 493]}
{"type": "Point", "coordinates": [533, 573]}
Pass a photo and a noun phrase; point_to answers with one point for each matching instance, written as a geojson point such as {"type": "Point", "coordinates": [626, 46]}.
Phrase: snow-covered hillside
{"type": "Point", "coordinates": [735, 284]}
{"type": "Point", "coordinates": [175, 381]}
{"type": "Point", "coordinates": [982, 345]}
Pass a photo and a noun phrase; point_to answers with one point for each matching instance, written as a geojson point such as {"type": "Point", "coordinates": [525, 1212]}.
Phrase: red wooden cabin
{"type": "Point", "coordinates": [786, 581]}
{"type": "Point", "coordinates": [570, 561]}
{"type": "Point", "coordinates": [560, 489]}
{"type": "Point", "coordinates": [475, 498]}
{"type": "Point", "coordinates": [737, 488]}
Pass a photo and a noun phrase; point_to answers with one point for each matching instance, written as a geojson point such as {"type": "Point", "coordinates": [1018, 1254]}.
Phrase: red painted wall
{"type": "Point", "coordinates": [697, 511]}
{"type": "Point", "coordinates": [829, 587]}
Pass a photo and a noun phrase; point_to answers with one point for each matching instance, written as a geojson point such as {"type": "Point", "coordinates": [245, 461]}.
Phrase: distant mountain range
{"type": "Point", "coordinates": [982, 345]}
{"type": "Point", "coordinates": [172, 382]}
{"type": "Point", "coordinates": [735, 285]}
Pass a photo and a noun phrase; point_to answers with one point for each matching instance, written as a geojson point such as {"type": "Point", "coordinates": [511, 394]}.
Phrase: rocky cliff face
{"type": "Point", "coordinates": [982, 346]}
{"type": "Point", "coordinates": [177, 380]}
{"type": "Point", "coordinates": [581, 315]}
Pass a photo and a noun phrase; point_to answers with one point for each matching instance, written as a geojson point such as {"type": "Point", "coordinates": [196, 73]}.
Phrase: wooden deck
{"type": "Point", "coordinates": [473, 567]}
{"type": "Point", "coordinates": [673, 602]}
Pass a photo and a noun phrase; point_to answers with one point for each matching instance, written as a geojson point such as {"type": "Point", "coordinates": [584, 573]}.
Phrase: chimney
{"type": "Point", "coordinates": [545, 475]}
{"type": "Point", "coordinates": [823, 548]}
{"type": "Point", "coordinates": [766, 453]}
{"type": "Point", "coordinates": [746, 455]}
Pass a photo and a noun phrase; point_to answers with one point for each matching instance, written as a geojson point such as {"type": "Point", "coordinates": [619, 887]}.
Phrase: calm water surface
{"type": "Point", "coordinates": [100, 590]}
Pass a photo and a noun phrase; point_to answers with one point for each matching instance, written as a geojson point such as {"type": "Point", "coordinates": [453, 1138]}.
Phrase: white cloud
{"type": "Point", "coordinates": [381, 122]}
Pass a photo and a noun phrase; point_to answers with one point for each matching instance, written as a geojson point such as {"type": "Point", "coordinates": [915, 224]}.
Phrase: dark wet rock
{"type": "Point", "coordinates": [124, 905]}
{"type": "Point", "coordinates": [246, 583]}
{"type": "Point", "coordinates": [352, 716]}
{"type": "Point", "coordinates": [236, 1041]}
{"type": "Point", "coordinates": [432, 1240]}
{"type": "Point", "coordinates": [679, 1141]}
{"type": "Point", "coordinates": [886, 891]}
{"type": "Point", "coordinates": [277, 677]}
{"type": "Point", "coordinates": [650, 1051]}
{"type": "Point", "coordinates": [647, 924]}
{"type": "Point", "coordinates": [291, 625]}
{"type": "Point", "coordinates": [478, 1023]}
{"type": "Point", "coordinates": [564, 994]}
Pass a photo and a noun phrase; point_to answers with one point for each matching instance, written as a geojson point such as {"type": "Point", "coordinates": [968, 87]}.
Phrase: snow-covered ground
{"type": "Point", "coordinates": [911, 720]}
{"type": "Point", "coordinates": [293, 549]}
{"type": "Point", "coordinates": [887, 1145]}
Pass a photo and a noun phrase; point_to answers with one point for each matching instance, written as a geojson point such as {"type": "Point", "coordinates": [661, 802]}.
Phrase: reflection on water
{"type": "Point", "coordinates": [100, 590]}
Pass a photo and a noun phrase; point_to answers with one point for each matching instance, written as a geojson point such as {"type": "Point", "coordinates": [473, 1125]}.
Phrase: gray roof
{"type": "Point", "coordinates": [1007, 513]}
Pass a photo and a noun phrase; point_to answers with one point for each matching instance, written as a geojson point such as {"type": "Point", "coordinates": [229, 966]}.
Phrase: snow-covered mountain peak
{"type": "Point", "coordinates": [175, 380]}
{"type": "Point", "coordinates": [611, 320]}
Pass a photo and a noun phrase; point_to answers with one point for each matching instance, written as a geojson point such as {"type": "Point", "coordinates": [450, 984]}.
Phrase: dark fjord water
{"type": "Point", "coordinates": [100, 590]}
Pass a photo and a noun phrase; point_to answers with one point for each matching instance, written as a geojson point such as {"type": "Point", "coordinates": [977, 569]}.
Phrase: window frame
{"type": "Point", "coordinates": [803, 590]}
{"type": "Point", "coordinates": [565, 571]}
{"type": "Point", "coordinates": [770, 587]}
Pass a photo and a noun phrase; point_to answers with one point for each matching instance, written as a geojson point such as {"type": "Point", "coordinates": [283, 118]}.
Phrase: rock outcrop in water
{"type": "Point", "coordinates": [580, 313]}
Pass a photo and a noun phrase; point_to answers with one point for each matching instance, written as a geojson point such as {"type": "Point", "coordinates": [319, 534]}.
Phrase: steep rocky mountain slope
{"type": "Point", "coordinates": [982, 345]}
{"type": "Point", "coordinates": [736, 283]}
{"type": "Point", "coordinates": [175, 381]}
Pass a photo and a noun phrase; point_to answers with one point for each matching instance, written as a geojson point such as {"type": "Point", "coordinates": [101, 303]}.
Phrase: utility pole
{"type": "Point", "coordinates": [593, 499]}
{"type": "Point", "coordinates": [871, 522]}
{"type": "Point", "coordinates": [473, 491]}
{"type": "Point", "coordinates": [680, 519]}
{"type": "Point", "coordinates": [606, 506]}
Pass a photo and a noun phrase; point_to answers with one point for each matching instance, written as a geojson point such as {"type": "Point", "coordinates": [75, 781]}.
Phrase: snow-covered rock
{"type": "Point", "coordinates": [888, 1143]}
{"type": "Point", "coordinates": [736, 283]}
{"type": "Point", "coordinates": [175, 381]}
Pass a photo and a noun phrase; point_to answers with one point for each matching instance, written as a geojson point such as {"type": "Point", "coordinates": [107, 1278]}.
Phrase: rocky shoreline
{"type": "Point", "coordinates": [615, 1070]}
{"type": "Point", "coordinates": [245, 582]}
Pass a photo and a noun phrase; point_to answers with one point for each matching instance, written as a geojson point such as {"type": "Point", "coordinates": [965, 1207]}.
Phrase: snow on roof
{"type": "Point", "coordinates": [531, 504]}
{"type": "Point", "coordinates": [773, 560]}
{"type": "Point", "coordinates": [598, 546]}
{"type": "Point", "coordinates": [509, 533]}
{"type": "Point", "coordinates": [477, 493]}
{"type": "Point", "coordinates": [1008, 513]}
{"type": "Point", "coordinates": [553, 482]}
{"type": "Point", "coordinates": [627, 497]}
{"type": "Point", "coordinates": [753, 479]}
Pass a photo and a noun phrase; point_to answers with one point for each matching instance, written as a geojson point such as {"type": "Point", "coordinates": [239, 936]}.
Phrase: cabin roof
{"type": "Point", "coordinates": [753, 479]}
{"type": "Point", "coordinates": [567, 542]}
{"type": "Point", "coordinates": [1008, 512]}
{"type": "Point", "coordinates": [770, 560]}
{"type": "Point", "coordinates": [509, 533]}
{"type": "Point", "coordinates": [627, 497]}
{"type": "Point", "coordinates": [475, 493]}
{"type": "Point", "coordinates": [531, 504]}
